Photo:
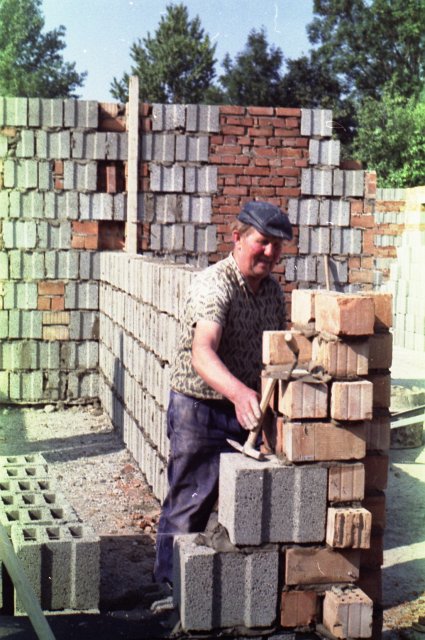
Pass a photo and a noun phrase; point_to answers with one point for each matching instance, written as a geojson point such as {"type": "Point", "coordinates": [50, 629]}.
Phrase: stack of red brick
{"type": "Point", "coordinates": [337, 415]}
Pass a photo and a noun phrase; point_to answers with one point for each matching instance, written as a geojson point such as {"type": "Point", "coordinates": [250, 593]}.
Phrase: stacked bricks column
{"type": "Point", "coordinates": [141, 304]}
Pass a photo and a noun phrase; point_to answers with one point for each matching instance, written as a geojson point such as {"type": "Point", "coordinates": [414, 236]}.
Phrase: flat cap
{"type": "Point", "coordinates": [267, 218]}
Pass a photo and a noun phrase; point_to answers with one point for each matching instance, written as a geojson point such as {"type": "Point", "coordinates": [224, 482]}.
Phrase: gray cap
{"type": "Point", "coordinates": [267, 218]}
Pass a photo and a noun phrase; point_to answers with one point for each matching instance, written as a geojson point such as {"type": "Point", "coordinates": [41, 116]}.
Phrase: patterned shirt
{"type": "Point", "coordinates": [221, 294]}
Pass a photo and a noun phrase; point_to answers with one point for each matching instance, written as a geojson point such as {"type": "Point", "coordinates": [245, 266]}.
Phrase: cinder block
{"type": "Point", "coordinates": [79, 355]}
{"type": "Point", "coordinates": [116, 145]}
{"type": "Point", "coordinates": [301, 269]}
{"type": "Point", "coordinates": [346, 241]}
{"type": "Point", "coordinates": [192, 148]}
{"type": "Point", "coordinates": [317, 182]}
{"type": "Point", "coordinates": [380, 350]}
{"type": "Point", "coordinates": [21, 174]}
{"type": "Point", "coordinates": [160, 147]}
{"type": "Point", "coordinates": [381, 390]}
{"type": "Point", "coordinates": [54, 235]}
{"type": "Point", "coordinates": [34, 112]}
{"type": "Point", "coordinates": [346, 482]}
{"type": "Point", "coordinates": [195, 209]}
{"type": "Point", "coordinates": [338, 272]}
{"type": "Point", "coordinates": [85, 564]}
{"type": "Point", "coordinates": [348, 613]}
{"type": "Point", "coordinates": [303, 212]}
{"type": "Point", "coordinates": [267, 502]}
{"type": "Point", "coordinates": [45, 176]}
{"type": "Point", "coordinates": [167, 117]}
{"type": "Point", "coordinates": [298, 608]}
{"type": "Point", "coordinates": [202, 180]}
{"type": "Point", "coordinates": [341, 359]}
{"type": "Point", "coordinates": [302, 306]}
{"type": "Point", "coordinates": [25, 146]}
{"type": "Point", "coordinates": [326, 152]}
{"type": "Point", "coordinates": [348, 527]}
{"type": "Point", "coordinates": [26, 386]}
{"type": "Point", "coordinates": [299, 399]}
{"type": "Point", "coordinates": [89, 145]}
{"type": "Point", "coordinates": [20, 295]}
{"type": "Point", "coordinates": [349, 183]}
{"type": "Point", "coordinates": [276, 349]}
{"type": "Point", "coordinates": [26, 205]}
{"type": "Point", "coordinates": [317, 441]}
{"type": "Point", "coordinates": [15, 112]}
{"type": "Point", "coordinates": [61, 206]}
{"type": "Point", "coordinates": [201, 117]}
{"type": "Point", "coordinates": [51, 113]}
{"type": "Point", "coordinates": [215, 590]}
{"type": "Point", "coordinates": [316, 122]}
{"type": "Point", "coordinates": [24, 324]}
{"type": "Point", "coordinates": [206, 239]}
{"type": "Point", "coordinates": [383, 303]}
{"type": "Point", "coordinates": [339, 314]}
{"type": "Point", "coordinates": [62, 264]}
{"type": "Point", "coordinates": [334, 213]}
{"type": "Point", "coordinates": [55, 144]}
{"type": "Point", "coordinates": [90, 265]}
{"type": "Point", "coordinates": [4, 204]}
{"type": "Point", "coordinates": [166, 178]}
{"type": "Point", "coordinates": [96, 206]}
{"type": "Point", "coordinates": [309, 565]}
{"type": "Point", "coordinates": [376, 472]}
{"type": "Point", "coordinates": [352, 400]}
{"type": "Point", "coordinates": [84, 325]}
{"type": "Point", "coordinates": [314, 240]}
{"type": "Point", "coordinates": [4, 324]}
{"type": "Point", "coordinates": [81, 114]}
{"type": "Point", "coordinates": [79, 176]}
{"type": "Point", "coordinates": [4, 266]}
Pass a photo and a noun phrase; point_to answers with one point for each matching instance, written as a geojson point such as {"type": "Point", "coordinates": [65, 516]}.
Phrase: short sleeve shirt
{"type": "Point", "coordinates": [221, 294]}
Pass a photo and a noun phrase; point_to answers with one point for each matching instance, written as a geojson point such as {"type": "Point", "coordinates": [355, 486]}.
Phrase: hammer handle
{"type": "Point", "coordinates": [264, 403]}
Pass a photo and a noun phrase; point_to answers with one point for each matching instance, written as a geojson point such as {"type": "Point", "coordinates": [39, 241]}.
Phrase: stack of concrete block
{"type": "Point", "coordinates": [141, 305]}
{"type": "Point", "coordinates": [59, 554]}
{"type": "Point", "coordinates": [317, 502]}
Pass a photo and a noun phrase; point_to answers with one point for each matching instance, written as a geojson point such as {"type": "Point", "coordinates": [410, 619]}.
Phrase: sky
{"type": "Point", "coordinates": [99, 33]}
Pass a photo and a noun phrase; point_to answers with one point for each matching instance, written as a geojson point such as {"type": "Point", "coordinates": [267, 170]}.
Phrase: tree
{"type": "Point", "coordinates": [176, 65]}
{"type": "Point", "coordinates": [254, 78]}
{"type": "Point", "coordinates": [30, 61]}
{"type": "Point", "coordinates": [391, 139]}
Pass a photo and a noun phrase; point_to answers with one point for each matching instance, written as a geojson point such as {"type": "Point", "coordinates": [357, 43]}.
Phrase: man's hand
{"type": "Point", "coordinates": [248, 410]}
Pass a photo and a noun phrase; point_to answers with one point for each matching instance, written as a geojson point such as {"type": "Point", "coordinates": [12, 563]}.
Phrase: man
{"type": "Point", "coordinates": [216, 373]}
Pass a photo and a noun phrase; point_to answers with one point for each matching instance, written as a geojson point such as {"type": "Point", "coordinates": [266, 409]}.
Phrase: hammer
{"type": "Point", "coordinates": [248, 448]}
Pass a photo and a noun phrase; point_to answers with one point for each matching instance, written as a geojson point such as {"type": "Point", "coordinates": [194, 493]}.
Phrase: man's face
{"type": "Point", "coordinates": [256, 254]}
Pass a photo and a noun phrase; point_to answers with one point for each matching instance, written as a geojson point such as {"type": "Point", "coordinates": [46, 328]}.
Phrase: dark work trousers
{"type": "Point", "coordinates": [197, 430]}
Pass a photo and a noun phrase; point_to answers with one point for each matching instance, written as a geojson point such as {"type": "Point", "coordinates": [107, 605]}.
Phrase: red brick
{"type": "Point", "coordinates": [44, 303]}
{"type": "Point", "coordinates": [77, 242]}
{"type": "Point", "coordinates": [381, 389]}
{"type": "Point", "coordinates": [370, 581]}
{"type": "Point", "coordinates": [341, 359]}
{"type": "Point", "coordinates": [380, 351]}
{"type": "Point", "coordinates": [85, 228]}
{"type": "Point", "coordinates": [373, 557]}
{"type": "Point", "coordinates": [288, 111]}
{"type": "Point", "coordinates": [111, 179]}
{"type": "Point", "coordinates": [319, 441]}
{"type": "Point", "coordinates": [348, 614]}
{"type": "Point", "coordinates": [277, 351]}
{"type": "Point", "coordinates": [50, 287]}
{"type": "Point", "coordinates": [57, 303]}
{"type": "Point", "coordinates": [299, 399]}
{"type": "Point", "coordinates": [231, 110]}
{"type": "Point", "coordinates": [376, 472]}
{"type": "Point", "coordinates": [378, 434]}
{"type": "Point", "coordinates": [376, 504]}
{"type": "Point", "coordinates": [383, 306]}
{"type": "Point", "coordinates": [346, 482]}
{"type": "Point", "coordinates": [261, 111]}
{"type": "Point", "coordinates": [351, 400]}
{"type": "Point", "coordinates": [344, 314]}
{"type": "Point", "coordinates": [298, 608]}
{"type": "Point", "coordinates": [310, 565]}
{"type": "Point", "coordinates": [348, 527]}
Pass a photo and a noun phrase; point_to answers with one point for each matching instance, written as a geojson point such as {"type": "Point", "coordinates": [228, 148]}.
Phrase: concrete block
{"type": "Point", "coordinates": [189, 237]}
{"type": "Point", "coordinates": [90, 265]}
{"type": "Point", "coordinates": [25, 146]}
{"type": "Point", "coordinates": [298, 608]}
{"type": "Point", "coordinates": [4, 146]}
{"type": "Point", "coordinates": [349, 184]}
{"type": "Point", "coordinates": [348, 527]}
{"type": "Point", "coordinates": [192, 148]}
{"type": "Point", "coordinates": [79, 176]}
{"type": "Point", "coordinates": [82, 295]}
{"type": "Point", "coordinates": [348, 613]}
{"type": "Point", "coordinates": [34, 112]}
{"type": "Point", "coordinates": [301, 269]}
{"type": "Point", "coordinates": [304, 211]}
{"type": "Point", "coordinates": [4, 204]}
{"type": "Point", "coordinates": [346, 241]}
{"type": "Point", "coordinates": [206, 239]}
{"type": "Point", "coordinates": [26, 386]}
{"type": "Point", "coordinates": [79, 355]}
{"type": "Point", "coordinates": [84, 325]}
{"type": "Point", "coordinates": [325, 152]}
{"type": "Point", "coordinates": [202, 118]}
{"type": "Point", "coordinates": [15, 112]}
{"type": "Point", "coordinates": [339, 314]}
{"type": "Point", "coordinates": [217, 590]}
{"type": "Point", "coordinates": [4, 266]}
{"type": "Point", "coordinates": [55, 144]}
{"type": "Point", "coordinates": [62, 264]}
{"type": "Point", "coordinates": [21, 295]}
{"type": "Point", "coordinates": [51, 113]}
{"type": "Point", "coordinates": [85, 563]}
{"type": "Point", "coordinates": [166, 178]}
{"type": "Point", "coordinates": [308, 565]}
{"type": "Point", "coordinates": [160, 147]}
{"type": "Point", "coordinates": [319, 441]}
{"type": "Point", "coordinates": [167, 117]}
{"type": "Point", "coordinates": [19, 234]}
{"type": "Point", "coordinates": [117, 145]}
{"type": "Point", "coordinates": [61, 206]}
{"type": "Point", "coordinates": [276, 350]}
{"type": "Point", "coordinates": [81, 114]}
{"type": "Point", "coordinates": [317, 182]}
{"type": "Point", "coordinates": [89, 145]}
{"type": "Point", "coordinates": [334, 213]}
{"type": "Point", "coordinates": [299, 399]}
{"type": "Point", "coordinates": [54, 235]}
{"type": "Point", "coordinates": [120, 206]}
{"type": "Point", "coordinates": [265, 501]}
{"type": "Point", "coordinates": [45, 176]}
{"type": "Point", "coordinates": [202, 180]}
{"type": "Point", "coordinates": [316, 122]}
{"type": "Point", "coordinates": [4, 324]}
{"type": "Point", "coordinates": [96, 206]}
{"type": "Point", "coordinates": [21, 174]}
{"type": "Point", "coordinates": [341, 359]}
{"type": "Point", "coordinates": [352, 400]}
{"type": "Point", "coordinates": [346, 482]}
{"type": "Point", "coordinates": [24, 324]}
{"type": "Point", "coordinates": [338, 271]}
{"type": "Point", "coordinates": [26, 205]}
{"type": "Point", "coordinates": [314, 240]}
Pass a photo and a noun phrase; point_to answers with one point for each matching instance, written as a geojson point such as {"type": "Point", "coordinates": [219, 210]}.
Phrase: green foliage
{"type": "Point", "coordinates": [176, 65]}
{"type": "Point", "coordinates": [30, 61]}
{"type": "Point", "coordinates": [254, 78]}
{"type": "Point", "coordinates": [391, 140]}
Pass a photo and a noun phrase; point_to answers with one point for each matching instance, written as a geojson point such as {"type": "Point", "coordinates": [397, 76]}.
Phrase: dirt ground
{"type": "Point", "coordinates": [99, 478]}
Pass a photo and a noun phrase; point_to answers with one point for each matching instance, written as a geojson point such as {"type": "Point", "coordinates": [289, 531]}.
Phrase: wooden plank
{"type": "Point", "coordinates": [132, 164]}
{"type": "Point", "coordinates": [23, 588]}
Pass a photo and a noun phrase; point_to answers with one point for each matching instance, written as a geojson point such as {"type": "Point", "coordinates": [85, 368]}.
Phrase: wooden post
{"type": "Point", "coordinates": [23, 588]}
{"type": "Point", "coordinates": [132, 164]}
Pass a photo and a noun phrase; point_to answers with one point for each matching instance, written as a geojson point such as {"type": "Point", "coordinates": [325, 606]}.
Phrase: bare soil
{"type": "Point", "coordinates": [99, 478]}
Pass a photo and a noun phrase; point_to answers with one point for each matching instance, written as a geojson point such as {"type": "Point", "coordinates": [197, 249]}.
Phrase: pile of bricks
{"type": "Point", "coordinates": [59, 554]}
{"type": "Point", "coordinates": [306, 523]}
